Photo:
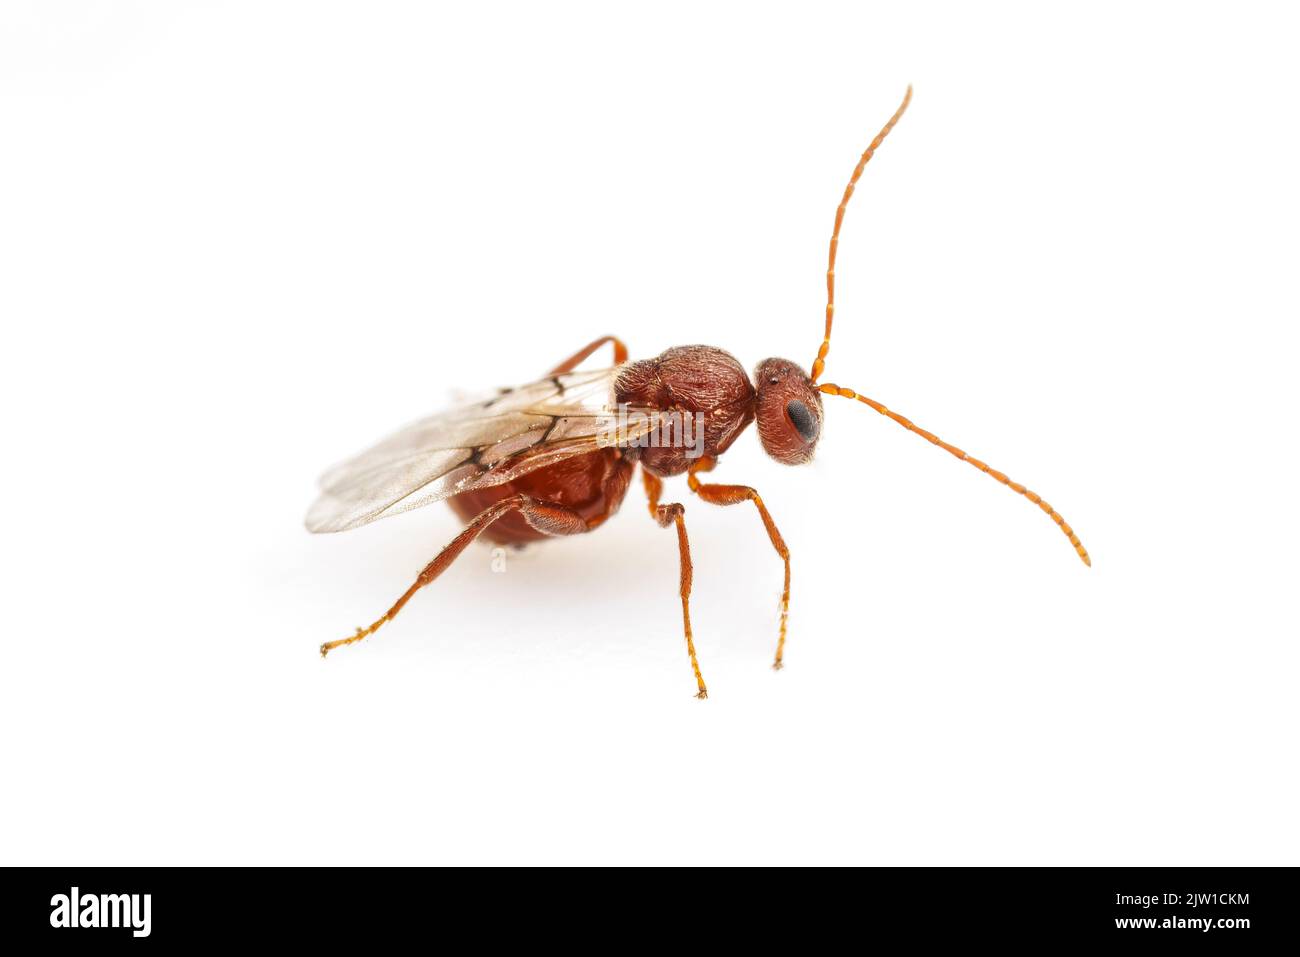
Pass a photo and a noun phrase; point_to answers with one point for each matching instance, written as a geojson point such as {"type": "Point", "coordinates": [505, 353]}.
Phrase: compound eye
{"type": "Point", "coordinates": [804, 421]}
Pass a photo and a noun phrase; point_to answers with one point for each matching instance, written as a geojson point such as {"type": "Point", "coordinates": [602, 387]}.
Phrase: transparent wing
{"type": "Point", "coordinates": [476, 445]}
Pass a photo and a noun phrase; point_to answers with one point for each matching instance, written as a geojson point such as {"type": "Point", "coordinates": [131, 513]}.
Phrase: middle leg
{"type": "Point", "coordinates": [667, 515]}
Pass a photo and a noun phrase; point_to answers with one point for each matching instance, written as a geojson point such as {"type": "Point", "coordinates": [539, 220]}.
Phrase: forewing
{"type": "Point", "coordinates": [472, 446]}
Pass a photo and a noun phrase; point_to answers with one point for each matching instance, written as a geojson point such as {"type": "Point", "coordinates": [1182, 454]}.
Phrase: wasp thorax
{"type": "Point", "coordinates": [788, 411]}
{"type": "Point", "coordinates": [704, 382]}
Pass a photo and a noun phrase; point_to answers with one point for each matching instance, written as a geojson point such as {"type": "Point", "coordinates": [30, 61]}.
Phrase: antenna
{"type": "Point", "coordinates": [930, 437]}
{"type": "Point", "coordinates": [820, 363]}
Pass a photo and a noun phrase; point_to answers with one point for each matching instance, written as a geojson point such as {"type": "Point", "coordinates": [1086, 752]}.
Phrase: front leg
{"type": "Point", "coordinates": [731, 495]}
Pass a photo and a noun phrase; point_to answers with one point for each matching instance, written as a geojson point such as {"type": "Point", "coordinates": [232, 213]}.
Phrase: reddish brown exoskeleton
{"type": "Point", "coordinates": [556, 457]}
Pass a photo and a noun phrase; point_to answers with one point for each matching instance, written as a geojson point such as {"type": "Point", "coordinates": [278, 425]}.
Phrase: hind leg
{"type": "Point", "coordinates": [571, 363]}
{"type": "Point", "coordinates": [546, 517]}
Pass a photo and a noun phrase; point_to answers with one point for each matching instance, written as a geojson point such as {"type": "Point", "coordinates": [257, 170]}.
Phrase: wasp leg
{"type": "Point", "coordinates": [571, 363]}
{"type": "Point", "coordinates": [546, 517]}
{"type": "Point", "coordinates": [731, 495]}
{"type": "Point", "coordinates": [667, 515]}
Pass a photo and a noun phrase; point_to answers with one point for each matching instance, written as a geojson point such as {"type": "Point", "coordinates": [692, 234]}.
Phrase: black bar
{"type": "Point", "coordinates": [1234, 908]}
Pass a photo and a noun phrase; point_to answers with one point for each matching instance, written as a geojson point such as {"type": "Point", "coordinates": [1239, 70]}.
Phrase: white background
{"type": "Point", "coordinates": [240, 241]}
